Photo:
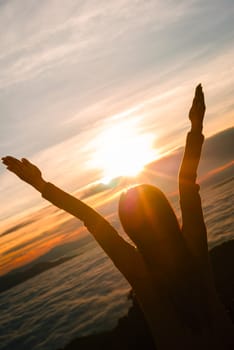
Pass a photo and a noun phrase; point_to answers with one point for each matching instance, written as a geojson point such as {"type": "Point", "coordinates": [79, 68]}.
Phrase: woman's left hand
{"type": "Point", "coordinates": [197, 111]}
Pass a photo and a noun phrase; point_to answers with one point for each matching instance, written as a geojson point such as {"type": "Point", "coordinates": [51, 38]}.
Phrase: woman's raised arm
{"type": "Point", "coordinates": [193, 228]}
{"type": "Point", "coordinates": [114, 245]}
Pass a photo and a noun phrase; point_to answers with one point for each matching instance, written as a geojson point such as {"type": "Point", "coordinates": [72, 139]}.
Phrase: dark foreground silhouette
{"type": "Point", "coordinates": [132, 333]}
{"type": "Point", "coordinates": [168, 268]}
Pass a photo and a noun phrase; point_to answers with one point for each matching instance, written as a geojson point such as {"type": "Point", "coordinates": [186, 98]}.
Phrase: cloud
{"type": "Point", "coordinates": [16, 227]}
{"type": "Point", "coordinates": [100, 187]}
{"type": "Point", "coordinates": [71, 35]}
{"type": "Point", "coordinates": [25, 244]}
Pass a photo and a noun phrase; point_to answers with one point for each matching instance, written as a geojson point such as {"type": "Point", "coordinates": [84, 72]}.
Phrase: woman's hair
{"type": "Point", "coordinates": [146, 215]}
{"type": "Point", "coordinates": [149, 220]}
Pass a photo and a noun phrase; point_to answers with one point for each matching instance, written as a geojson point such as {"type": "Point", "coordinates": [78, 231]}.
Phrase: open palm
{"type": "Point", "coordinates": [197, 111]}
{"type": "Point", "coordinates": [24, 169]}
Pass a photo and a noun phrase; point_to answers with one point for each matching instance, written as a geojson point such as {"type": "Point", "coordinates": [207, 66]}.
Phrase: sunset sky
{"type": "Point", "coordinates": [81, 79]}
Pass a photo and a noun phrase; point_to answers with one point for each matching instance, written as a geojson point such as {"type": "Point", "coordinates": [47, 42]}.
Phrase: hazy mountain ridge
{"type": "Point", "coordinates": [14, 278]}
{"type": "Point", "coordinates": [56, 256]}
{"type": "Point", "coordinates": [217, 151]}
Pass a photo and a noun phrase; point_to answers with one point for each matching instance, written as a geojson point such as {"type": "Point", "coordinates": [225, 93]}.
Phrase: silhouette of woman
{"type": "Point", "coordinates": [169, 267]}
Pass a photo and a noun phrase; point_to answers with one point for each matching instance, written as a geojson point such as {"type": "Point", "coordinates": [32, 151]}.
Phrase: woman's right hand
{"type": "Point", "coordinates": [26, 171]}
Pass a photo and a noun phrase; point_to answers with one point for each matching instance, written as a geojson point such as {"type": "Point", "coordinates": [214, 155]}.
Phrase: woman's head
{"type": "Point", "coordinates": [147, 216]}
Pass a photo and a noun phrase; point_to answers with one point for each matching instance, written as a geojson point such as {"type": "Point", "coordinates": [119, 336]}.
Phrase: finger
{"type": "Point", "coordinates": [15, 170]}
{"type": "Point", "coordinates": [16, 166]}
{"type": "Point", "coordinates": [198, 92]}
{"type": "Point", "coordinates": [26, 161]}
{"type": "Point", "coordinates": [5, 161]}
{"type": "Point", "coordinates": [13, 166]}
{"type": "Point", "coordinates": [199, 97]}
{"type": "Point", "coordinates": [10, 168]}
{"type": "Point", "coordinates": [198, 87]}
{"type": "Point", "coordinates": [201, 100]}
{"type": "Point", "coordinates": [11, 160]}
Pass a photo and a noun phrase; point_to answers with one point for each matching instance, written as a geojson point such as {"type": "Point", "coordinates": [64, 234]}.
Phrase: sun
{"type": "Point", "coordinates": [122, 150]}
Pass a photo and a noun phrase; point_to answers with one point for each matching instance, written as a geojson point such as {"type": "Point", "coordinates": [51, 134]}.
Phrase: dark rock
{"type": "Point", "coordinates": [132, 331]}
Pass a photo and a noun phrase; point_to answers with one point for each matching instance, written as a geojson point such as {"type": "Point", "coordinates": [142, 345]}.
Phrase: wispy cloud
{"type": "Point", "coordinates": [41, 42]}
{"type": "Point", "coordinates": [15, 228]}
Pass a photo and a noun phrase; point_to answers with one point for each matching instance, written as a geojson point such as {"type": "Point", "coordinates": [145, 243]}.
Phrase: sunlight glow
{"type": "Point", "coordinates": [122, 150]}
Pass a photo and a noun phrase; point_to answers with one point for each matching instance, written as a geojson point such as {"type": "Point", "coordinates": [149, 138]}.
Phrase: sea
{"type": "Point", "coordinates": [87, 294]}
